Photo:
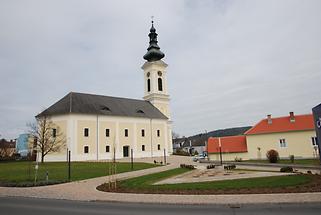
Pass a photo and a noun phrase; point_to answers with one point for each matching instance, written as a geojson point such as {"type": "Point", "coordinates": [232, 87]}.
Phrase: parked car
{"type": "Point", "coordinates": [198, 158]}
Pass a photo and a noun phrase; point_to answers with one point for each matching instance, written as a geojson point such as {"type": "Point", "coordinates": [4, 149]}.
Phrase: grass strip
{"type": "Point", "coordinates": [20, 173]}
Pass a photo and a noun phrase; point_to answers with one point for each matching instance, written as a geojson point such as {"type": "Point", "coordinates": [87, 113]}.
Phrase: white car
{"type": "Point", "coordinates": [198, 158]}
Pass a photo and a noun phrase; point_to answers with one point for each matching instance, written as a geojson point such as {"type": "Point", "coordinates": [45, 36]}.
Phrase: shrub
{"type": "Point", "coordinates": [230, 167]}
{"type": "Point", "coordinates": [286, 169]}
{"type": "Point", "coordinates": [273, 156]}
{"type": "Point", "coordinates": [181, 152]}
{"type": "Point", "coordinates": [292, 158]}
{"type": "Point", "coordinates": [187, 166]}
{"type": "Point", "coordinates": [237, 159]}
{"type": "Point", "coordinates": [211, 166]}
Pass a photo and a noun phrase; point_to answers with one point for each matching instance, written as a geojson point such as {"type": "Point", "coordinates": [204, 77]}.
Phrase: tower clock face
{"type": "Point", "coordinates": [148, 74]}
{"type": "Point", "coordinates": [159, 73]}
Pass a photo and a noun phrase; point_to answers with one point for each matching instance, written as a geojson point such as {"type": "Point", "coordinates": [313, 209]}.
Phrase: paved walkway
{"type": "Point", "coordinates": [86, 191]}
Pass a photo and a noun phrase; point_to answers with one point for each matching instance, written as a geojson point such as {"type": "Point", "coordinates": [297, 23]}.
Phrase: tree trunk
{"type": "Point", "coordinates": [42, 157]}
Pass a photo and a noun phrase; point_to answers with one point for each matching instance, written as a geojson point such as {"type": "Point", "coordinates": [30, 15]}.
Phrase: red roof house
{"type": "Point", "coordinates": [232, 144]}
{"type": "Point", "coordinates": [283, 124]}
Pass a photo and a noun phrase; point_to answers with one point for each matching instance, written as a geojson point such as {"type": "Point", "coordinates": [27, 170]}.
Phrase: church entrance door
{"type": "Point", "coordinates": [125, 151]}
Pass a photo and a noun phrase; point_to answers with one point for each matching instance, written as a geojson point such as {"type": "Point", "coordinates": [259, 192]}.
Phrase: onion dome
{"type": "Point", "coordinates": [153, 51]}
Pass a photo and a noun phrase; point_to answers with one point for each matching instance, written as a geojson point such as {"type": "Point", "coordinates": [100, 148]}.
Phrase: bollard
{"type": "Point", "coordinates": [47, 176]}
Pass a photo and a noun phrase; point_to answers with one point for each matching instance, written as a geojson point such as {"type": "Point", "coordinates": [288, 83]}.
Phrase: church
{"type": "Point", "coordinates": [97, 127]}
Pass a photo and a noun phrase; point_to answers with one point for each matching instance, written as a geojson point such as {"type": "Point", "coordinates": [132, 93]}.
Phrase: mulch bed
{"type": "Point", "coordinates": [313, 186]}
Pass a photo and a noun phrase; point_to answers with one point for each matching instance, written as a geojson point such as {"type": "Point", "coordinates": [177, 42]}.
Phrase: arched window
{"type": "Point", "coordinates": [148, 85]}
{"type": "Point", "coordinates": [160, 84]}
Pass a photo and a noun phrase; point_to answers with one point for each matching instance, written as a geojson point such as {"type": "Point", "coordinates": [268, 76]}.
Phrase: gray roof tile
{"type": "Point", "coordinates": [103, 105]}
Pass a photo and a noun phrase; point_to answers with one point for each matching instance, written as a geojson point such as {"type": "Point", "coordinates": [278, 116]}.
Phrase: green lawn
{"type": "Point", "coordinates": [287, 161]}
{"type": "Point", "coordinates": [24, 172]}
{"type": "Point", "coordinates": [146, 182]}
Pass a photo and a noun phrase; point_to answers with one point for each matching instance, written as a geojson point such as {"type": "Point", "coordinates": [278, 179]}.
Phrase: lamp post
{"type": "Point", "coordinates": [220, 146]}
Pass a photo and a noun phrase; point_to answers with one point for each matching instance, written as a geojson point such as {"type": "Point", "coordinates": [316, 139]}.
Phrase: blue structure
{"type": "Point", "coordinates": [317, 124]}
{"type": "Point", "coordinates": [22, 145]}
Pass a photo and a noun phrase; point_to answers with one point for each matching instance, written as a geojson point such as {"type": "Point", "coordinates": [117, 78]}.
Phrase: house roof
{"type": "Point", "coordinates": [103, 105]}
{"type": "Point", "coordinates": [7, 144]}
{"type": "Point", "coordinates": [228, 144]}
{"type": "Point", "coordinates": [283, 124]}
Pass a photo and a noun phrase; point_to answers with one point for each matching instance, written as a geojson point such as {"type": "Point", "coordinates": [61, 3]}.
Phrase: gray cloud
{"type": "Point", "coordinates": [230, 62]}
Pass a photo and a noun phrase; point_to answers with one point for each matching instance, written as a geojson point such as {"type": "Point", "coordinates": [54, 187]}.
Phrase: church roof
{"type": "Point", "coordinates": [103, 105]}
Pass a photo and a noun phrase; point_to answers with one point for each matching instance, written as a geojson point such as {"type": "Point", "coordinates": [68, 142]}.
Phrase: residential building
{"type": "Point", "coordinates": [289, 135]}
{"type": "Point", "coordinates": [23, 145]}
{"type": "Point", "coordinates": [229, 148]}
{"type": "Point", "coordinates": [7, 148]}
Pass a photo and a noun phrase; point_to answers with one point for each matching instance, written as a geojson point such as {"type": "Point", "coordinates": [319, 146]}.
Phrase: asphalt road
{"type": "Point", "coordinates": [34, 206]}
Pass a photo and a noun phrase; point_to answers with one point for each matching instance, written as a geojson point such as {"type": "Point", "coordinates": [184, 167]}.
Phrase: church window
{"type": "Point", "coordinates": [143, 133]}
{"type": "Point", "coordinates": [107, 149]}
{"type": "Point", "coordinates": [158, 133]}
{"type": "Point", "coordinates": [126, 132]}
{"type": "Point", "coordinates": [148, 85]}
{"type": "Point", "coordinates": [148, 74]}
{"type": "Point", "coordinates": [143, 148]}
{"type": "Point", "coordinates": [158, 147]}
{"type": "Point", "coordinates": [86, 132]}
{"type": "Point", "coordinates": [160, 84]}
{"type": "Point", "coordinates": [86, 149]}
{"type": "Point", "coordinates": [159, 73]}
{"type": "Point", "coordinates": [107, 132]}
{"type": "Point", "coordinates": [54, 132]}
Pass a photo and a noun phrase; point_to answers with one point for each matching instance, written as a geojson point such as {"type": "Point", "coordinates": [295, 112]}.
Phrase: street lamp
{"type": "Point", "coordinates": [220, 146]}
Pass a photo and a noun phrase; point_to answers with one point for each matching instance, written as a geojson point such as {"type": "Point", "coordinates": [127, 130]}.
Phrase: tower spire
{"type": "Point", "coordinates": [153, 51]}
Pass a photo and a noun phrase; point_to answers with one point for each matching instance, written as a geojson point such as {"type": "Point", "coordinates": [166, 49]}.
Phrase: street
{"type": "Point", "coordinates": [34, 206]}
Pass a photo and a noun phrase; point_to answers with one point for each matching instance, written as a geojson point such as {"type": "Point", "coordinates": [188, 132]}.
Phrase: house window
{"type": "Point", "coordinates": [143, 133]}
{"type": "Point", "coordinates": [158, 147]}
{"type": "Point", "coordinates": [160, 84]}
{"type": "Point", "coordinates": [126, 132]}
{"type": "Point", "coordinates": [86, 149]}
{"type": "Point", "coordinates": [148, 85]}
{"type": "Point", "coordinates": [107, 149]}
{"type": "Point", "coordinates": [282, 143]}
{"type": "Point", "coordinates": [158, 133]}
{"type": "Point", "coordinates": [314, 141]}
{"type": "Point", "coordinates": [86, 132]}
{"type": "Point", "coordinates": [107, 132]}
{"type": "Point", "coordinates": [54, 132]}
{"type": "Point", "coordinates": [143, 148]}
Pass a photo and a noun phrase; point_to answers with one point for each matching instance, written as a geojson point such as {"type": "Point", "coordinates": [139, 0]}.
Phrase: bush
{"type": "Point", "coordinates": [211, 166]}
{"type": "Point", "coordinates": [187, 166]}
{"type": "Point", "coordinates": [230, 167]}
{"type": "Point", "coordinates": [286, 169]}
{"type": "Point", "coordinates": [273, 156]}
{"type": "Point", "coordinates": [237, 159]}
{"type": "Point", "coordinates": [291, 158]}
{"type": "Point", "coordinates": [181, 152]}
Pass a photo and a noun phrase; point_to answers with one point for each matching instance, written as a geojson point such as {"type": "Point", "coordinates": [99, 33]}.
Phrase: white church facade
{"type": "Point", "coordinates": [96, 127]}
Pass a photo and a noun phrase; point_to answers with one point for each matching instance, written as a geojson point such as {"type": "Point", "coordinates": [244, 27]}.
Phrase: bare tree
{"type": "Point", "coordinates": [48, 136]}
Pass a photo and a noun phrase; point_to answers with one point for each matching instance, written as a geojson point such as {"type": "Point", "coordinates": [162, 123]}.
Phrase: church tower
{"type": "Point", "coordinates": [155, 75]}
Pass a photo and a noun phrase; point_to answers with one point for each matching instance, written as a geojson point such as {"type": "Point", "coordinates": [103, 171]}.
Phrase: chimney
{"type": "Point", "coordinates": [269, 119]}
{"type": "Point", "coordinates": [292, 118]}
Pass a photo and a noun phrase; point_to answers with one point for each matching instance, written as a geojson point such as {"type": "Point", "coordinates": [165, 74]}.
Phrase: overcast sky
{"type": "Point", "coordinates": [230, 62]}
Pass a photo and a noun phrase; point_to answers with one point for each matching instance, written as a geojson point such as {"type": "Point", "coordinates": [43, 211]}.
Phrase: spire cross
{"type": "Point", "coordinates": [152, 17]}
